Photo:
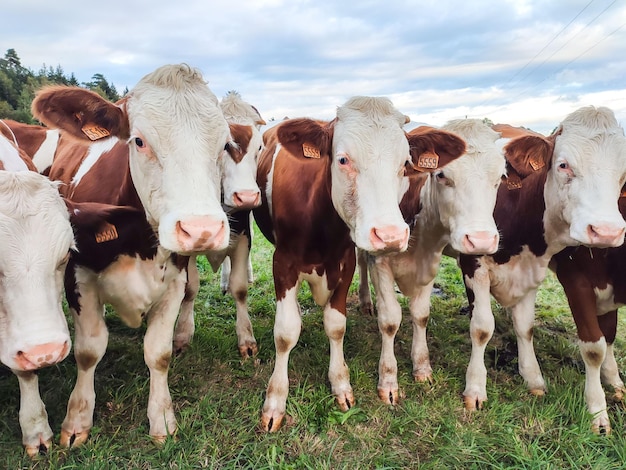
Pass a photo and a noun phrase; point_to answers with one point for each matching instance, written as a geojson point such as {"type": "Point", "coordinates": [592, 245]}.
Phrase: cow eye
{"type": "Point", "coordinates": [440, 175]}
{"type": "Point", "coordinates": [139, 142]}
{"type": "Point", "coordinates": [343, 160]}
{"type": "Point", "coordinates": [563, 166]}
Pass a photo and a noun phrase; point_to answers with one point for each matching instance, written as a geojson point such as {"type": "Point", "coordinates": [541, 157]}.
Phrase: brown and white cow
{"type": "Point", "coordinates": [35, 240]}
{"type": "Point", "coordinates": [39, 143]}
{"type": "Point", "coordinates": [171, 172]}
{"type": "Point", "coordinates": [240, 194]}
{"type": "Point", "coordinates": [595, 285]}
{"type": "Point", "coordinates": [327, 186]}
{"type": "Point", "coordinates": [451, 206]}
{"type": "Point", "coordinates": [560, 191]}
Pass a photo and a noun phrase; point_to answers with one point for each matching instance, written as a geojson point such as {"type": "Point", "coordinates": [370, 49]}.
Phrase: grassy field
{"type": "Point", "coordinates": [218, 397]}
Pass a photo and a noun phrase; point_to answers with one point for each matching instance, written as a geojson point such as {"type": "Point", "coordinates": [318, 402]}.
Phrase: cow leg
{"type": "Point", "coordinates": [419, 305]}
{"type": "Point", "coordinates": [36, 432]}
{"type": "Point", "coordinates": [523, 314]}
{"type": "Point", "coordinates": [389, 315]}
{"type": "Point", "coordinates": [157, 346]}
{"type": "Point", "coordinates": [185, 325]}
{"type": "Point", "coordinates": [239, 289]}
{"type": "Point", "coordinates": [365, 296]}
{"type": "Point", "coordinates": [287, 325]}
{"type": "Point", "coordinates": [482, 325]}
{"type": "Point", "coordinates": [610, 371]}
{"type": "Point", "coordinates": [90, 343]}
{"type": "Point", "coordinates": [225, 275]}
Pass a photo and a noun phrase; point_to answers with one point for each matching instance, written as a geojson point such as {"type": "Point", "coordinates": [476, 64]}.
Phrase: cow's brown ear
{"type": "Point", "coordinates": [431, 148]}
{"type": "Point", "coordinates": [80, 113]}
{"type": "Point", "coordinates": [240, 134]}
{"type": "Point", "coordinates": [306, 138]}
{"type": "Point", "coordinates": [528, 154]}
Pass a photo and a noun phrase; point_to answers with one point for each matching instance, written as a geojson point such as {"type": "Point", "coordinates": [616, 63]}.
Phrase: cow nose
{"type": "Point", "coordinates": [247, 199]}
{"type": "Point", "coordinates": [480, 242]}
{"type": "Point", "coordinates": [389, 238]}
{"type": "Point", "coordinates": [42, 355]}
{"type": "Point", "coordinates": [201, 233]}
{"type": "Point", "coordinates": [607, 235]}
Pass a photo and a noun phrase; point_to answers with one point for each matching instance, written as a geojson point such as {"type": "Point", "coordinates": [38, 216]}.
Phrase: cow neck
{"type": "Point", "coordinates": [519, 215]}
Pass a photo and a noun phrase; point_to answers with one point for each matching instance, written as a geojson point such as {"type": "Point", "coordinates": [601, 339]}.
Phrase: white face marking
{"type": "Point", "coordinates": [35, 238]}
{"type": "Point", "coordinates": [369, 152]}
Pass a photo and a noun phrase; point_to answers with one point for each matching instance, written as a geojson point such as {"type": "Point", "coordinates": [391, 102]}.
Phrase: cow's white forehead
{"type": "Point", "coordinates": [25, 194]}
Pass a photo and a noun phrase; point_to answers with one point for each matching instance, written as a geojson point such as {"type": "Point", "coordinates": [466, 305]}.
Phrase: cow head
{"type": "Point", "coordinates": [588, 170]}
{"type": "Point", "coordinates": [240, 165]}
{"type": "Point", "coordinates": [465, 191]}
{"type": "Point", "coordinates": [176, 134]}
{"type": "Point", "coordinates": [369, 154]}
{"type": "Point", "coordinates": [35, 240]}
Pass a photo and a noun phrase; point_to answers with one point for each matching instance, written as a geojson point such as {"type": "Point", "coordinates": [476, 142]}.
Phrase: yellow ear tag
{"type": "Point", "coordinates": [428, 160]}
{"type": "Point", "coordinates": [536, 163]}
{"type": "Point", "coordinates": [95, 132]}
{"type": "Point", "coordinates": [310, 151]}
{"type": "Point", "coordinates": [107, 233]}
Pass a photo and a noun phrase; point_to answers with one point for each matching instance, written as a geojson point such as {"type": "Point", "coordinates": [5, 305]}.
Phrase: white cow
{"type": "Point", "coordinates": [451, 206]}
{"type": "Point", "coordinates": [35, 240]}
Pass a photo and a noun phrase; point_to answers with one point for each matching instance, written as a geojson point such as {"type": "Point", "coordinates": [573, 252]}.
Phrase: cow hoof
{"type": "Point", "coordinates": [601, 429]}
{"type": "Point", "coordinates": [473, 403]}
{"type": "Point", "coordinates": [345, 401]}
{"type": "Point", "coordinates": [37, 450]}
{"type": "Point", "coordinates": [618, 393]}
{"type": "Point", "coordinates": [271, 422]}
{"type": "Point", "coordinates": [538, 392]}
{"type": "Point", "coordinates": [73, 439]}
{"type": "Point", "coordinates": [422, 378]}
{"type": "Point", "coordinates": [249, 349]}
{"type": "Point", "coordinates": [389, 396]}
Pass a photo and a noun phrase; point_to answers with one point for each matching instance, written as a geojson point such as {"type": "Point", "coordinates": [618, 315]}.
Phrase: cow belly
{"type": "Point", "coordinates": [132, 285]}
{"type": "Point", "coordinates": [510, 282]}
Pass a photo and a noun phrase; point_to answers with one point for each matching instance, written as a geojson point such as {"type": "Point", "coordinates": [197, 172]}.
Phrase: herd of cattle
{"type": "Point", "coordinates": [112, 203]}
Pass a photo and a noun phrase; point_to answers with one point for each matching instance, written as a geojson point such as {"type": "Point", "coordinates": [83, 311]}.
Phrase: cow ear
{"type": "Point", "coordinates": [239, 134]}
{"type": "Point", "coordinates": [80, 113]}
{"type": "Point", "coordinates": [431, 148]}
{"type": "Point", "coordinates": [306, 138]}
{"type": "Point", "coordinates": [528, 154]}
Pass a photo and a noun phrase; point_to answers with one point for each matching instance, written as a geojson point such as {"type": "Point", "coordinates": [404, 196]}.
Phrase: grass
{"type": "Point", "coordinates": [218, 397]}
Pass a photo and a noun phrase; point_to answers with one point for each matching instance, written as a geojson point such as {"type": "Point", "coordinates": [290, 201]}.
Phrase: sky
{"type": "Point", "coordinates": [522, 62]}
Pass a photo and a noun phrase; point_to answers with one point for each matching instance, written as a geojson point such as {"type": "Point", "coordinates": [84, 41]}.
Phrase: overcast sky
{"type": "Point", "coordinates": [523, 62]}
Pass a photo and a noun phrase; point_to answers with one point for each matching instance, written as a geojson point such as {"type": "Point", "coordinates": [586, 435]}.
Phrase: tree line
{"type": "Point", "coordinates": [18, 85]}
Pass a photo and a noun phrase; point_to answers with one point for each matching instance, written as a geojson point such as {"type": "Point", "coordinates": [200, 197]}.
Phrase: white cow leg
{"type": "Point", "coordinates": [610, 373]}
{"type": "Point", "coordinates": [239, 289]}
{"type": "Point", "coordinates": [593, 355]}
{"type": "Point", "coordinates": [287, 325]}
{"type": "Point", "coordinates": [523, 314]}
{"type": "Point", "coordinates": [157, 346]}
{"type": "Point", "coordinates": [389, 315]}
{"type": "Point", "coordinates": [225, 275]}
{"type": "Point", "coordinates": [482, 325]}
{"type": "Point", "coordinates": [338, 373]}
{"type": "Point", "coordinates": [419, 305]}
{"type": "Point", "coordinates": [90, 344]}
{"type": "Point", "coordinates": [365, 295]}
{"type": "Point", "coordinates": [36, 432]}
{"type": "Point", "coordinates": [185, 325]}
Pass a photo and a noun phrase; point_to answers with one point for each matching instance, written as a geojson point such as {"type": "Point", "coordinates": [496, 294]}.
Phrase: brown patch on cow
{"type": "Point", "coordinates": [241, 135]}
{"type": "Point", "coordinates": [422, 322]}
{"type": "Point", "coordinates": [163, 362]}
{"type": "Point", "coordinates": [481, 337]}
{"type": "Point", "coordinates": [86, 360]}
{"type": "Point", "coordinates": [594, 358]}
{"type": "Point", "coordinates": [27, 137]}
{"type": "Point", "coordinates": [390, 330]}
{"type": "Point", "coordinates": [241, 295]}
{"type": "Point", "coordinates": [282, 345]}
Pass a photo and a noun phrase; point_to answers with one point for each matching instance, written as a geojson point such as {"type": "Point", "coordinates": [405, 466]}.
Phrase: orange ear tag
{"type": "Point", "coordinates": [95, 132]}
{"type": "Point", "coordinates": [428, 160]}
{"type": "Point", "coordinates": [536, 163]}
{"type": "Point", "coordinates": [310, 151]}
{"type": "Point", "coordinates": [107, 233]}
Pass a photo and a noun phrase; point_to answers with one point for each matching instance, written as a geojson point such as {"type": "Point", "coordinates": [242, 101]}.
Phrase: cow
{"type": "Point", "coordinates": [35, 242]}
{"type": "Point", "coordinates": [38, 142]}
{"type": "Point", "coordinates": [172, 134]}
{"type": "Point", "coordinates": [560, 191]}
{"type": "Point", "coordinates": [326, 188]}
{"type": "Point", "coordinates": [451, 207]}
{"type": "Point", "coordinates": [240, 194]}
